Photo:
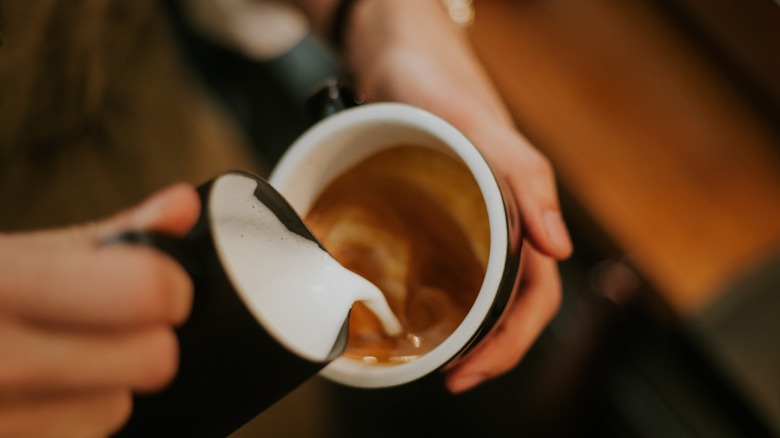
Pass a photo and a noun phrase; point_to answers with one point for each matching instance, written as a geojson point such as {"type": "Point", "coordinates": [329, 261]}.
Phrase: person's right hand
{"type": "Point", "coordinates": [83, 325]}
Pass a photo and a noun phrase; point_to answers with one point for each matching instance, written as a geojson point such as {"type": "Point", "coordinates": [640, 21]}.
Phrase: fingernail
{"type": "Point", "coordinates": [556, 231]}
{"type": "Point", "coordinates": [467, 382]}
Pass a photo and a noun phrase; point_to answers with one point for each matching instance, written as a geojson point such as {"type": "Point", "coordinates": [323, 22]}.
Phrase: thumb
{"type": "Point", "coordinates": [173, 210]}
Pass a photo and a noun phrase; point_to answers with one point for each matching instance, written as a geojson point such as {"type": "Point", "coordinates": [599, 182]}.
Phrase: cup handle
{"type": "Point", "coordinates": [334, 96]}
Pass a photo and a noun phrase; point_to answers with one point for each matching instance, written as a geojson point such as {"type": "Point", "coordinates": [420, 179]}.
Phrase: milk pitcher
{"type": "Point", "coordinates": [270, 311]}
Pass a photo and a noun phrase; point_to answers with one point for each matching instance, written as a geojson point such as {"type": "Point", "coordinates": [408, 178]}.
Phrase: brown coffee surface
{"type": "Point", "coordinates": [412, 221]}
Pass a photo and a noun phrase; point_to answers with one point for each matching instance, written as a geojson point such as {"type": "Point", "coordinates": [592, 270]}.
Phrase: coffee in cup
{"type": "Point", "coordinates": [412, 221]}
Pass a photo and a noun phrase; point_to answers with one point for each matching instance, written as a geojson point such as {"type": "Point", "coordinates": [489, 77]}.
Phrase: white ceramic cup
{"type": "Point", "coordinates": [342, 140]}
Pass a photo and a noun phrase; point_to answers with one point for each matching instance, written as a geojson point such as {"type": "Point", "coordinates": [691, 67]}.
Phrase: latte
{"type": "Point", "coordinates": [412, 221]}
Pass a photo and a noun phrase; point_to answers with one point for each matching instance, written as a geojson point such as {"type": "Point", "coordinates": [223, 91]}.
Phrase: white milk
{"type": "Point", "coordinates": [297, 291]}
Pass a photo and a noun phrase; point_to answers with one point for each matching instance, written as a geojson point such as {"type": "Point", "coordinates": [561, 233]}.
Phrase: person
{"type": "Point", "coordinates": [83, 326]}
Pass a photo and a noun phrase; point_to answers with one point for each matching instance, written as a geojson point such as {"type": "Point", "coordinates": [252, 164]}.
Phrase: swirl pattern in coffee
{"type": "Point", "coordinates": [412, 221]}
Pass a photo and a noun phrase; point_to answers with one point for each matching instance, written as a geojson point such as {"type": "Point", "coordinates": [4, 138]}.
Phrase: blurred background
{"type": "Point", "coordinates": [662, 118]}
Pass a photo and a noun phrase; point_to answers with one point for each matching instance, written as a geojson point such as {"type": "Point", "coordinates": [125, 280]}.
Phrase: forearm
{"type": "Point", "coordinates": [388, 41]}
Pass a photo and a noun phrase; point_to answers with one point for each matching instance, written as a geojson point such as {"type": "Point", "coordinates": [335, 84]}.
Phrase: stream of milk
{"type": "Point", "coordinates": [297, 291]}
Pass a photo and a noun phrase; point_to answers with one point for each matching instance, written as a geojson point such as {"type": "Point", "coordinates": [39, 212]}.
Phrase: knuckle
{"type": "Point", "coordinates": [118, 407]}
{"type": "Point", "coordinates": [504, 353]}
{"type": "Point", "coordinates": [514, 358]}
{"type": "Point", "coordinates": [543, 166]}
{"type": "Point", "coordinates": [553, 303]}
{"type": "Point", "coordinates": [157, 275]}
{"type": "Point", "coordinates": [8, 377]}
{"type": "Point", "coordinates": [502, 367]}
{"type": "Point", "coordinates": [161, 360]}
{"type": "Point", "coordinates": [15, 371]}
{"type": "Point", "coordinates": [160, 282]}
{"type": "Point", "coordinates": [536, 165]}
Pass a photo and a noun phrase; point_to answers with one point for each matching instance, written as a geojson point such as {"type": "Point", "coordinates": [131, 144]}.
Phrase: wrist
{"type": "Point", "coordinates": [395, 20]}
{"type": "Point", "coordinates": [378, 31]}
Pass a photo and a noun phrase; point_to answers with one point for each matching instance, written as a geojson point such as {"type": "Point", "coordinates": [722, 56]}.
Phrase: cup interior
{"type": "Point", "coordinates": [339, 142]}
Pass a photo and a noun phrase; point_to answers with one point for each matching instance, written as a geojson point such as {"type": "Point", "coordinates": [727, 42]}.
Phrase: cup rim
{"type": "Point", "coordinates": [350, 371]}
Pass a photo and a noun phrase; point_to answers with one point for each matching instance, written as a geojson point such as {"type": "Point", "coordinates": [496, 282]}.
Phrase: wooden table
{"type": "Point", "coordinates": [656, 141]}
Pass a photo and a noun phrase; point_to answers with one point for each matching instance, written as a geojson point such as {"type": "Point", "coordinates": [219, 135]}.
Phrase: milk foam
{"type": "Point", "coordinates": [297, 291]}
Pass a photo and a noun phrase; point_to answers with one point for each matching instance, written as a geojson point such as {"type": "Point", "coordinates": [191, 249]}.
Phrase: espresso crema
{"type": "Point", "coordinates": [412, 221]}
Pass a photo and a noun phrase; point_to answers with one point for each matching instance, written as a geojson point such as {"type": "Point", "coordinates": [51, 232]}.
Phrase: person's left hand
{"type": "Point", "coordinates": [417, 56]}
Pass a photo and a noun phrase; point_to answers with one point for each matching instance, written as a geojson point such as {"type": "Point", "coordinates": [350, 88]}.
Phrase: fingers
{"type": "Point", "coordinates": [172, 210]}
{"type": "Point", "coordinates": [112, 286]}
{"type": "Point", "coordinates": [536, 302]}
{"type": "Point", "coordinates": [68, 277]}
{"type": "Point", "coordinates": [531, 180]}
{"type": "Point", "coordinates": [83, 324]}
{"type": "Point", "coordinates": [90, 414]}
{"type": "Point", "coordinates": [37, 360]}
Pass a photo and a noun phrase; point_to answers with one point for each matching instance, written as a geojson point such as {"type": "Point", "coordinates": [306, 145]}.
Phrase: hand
{"type": "Point", "coordinates": [83, 325]}
{"type": "Point", "coordinates": [408, 51]}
